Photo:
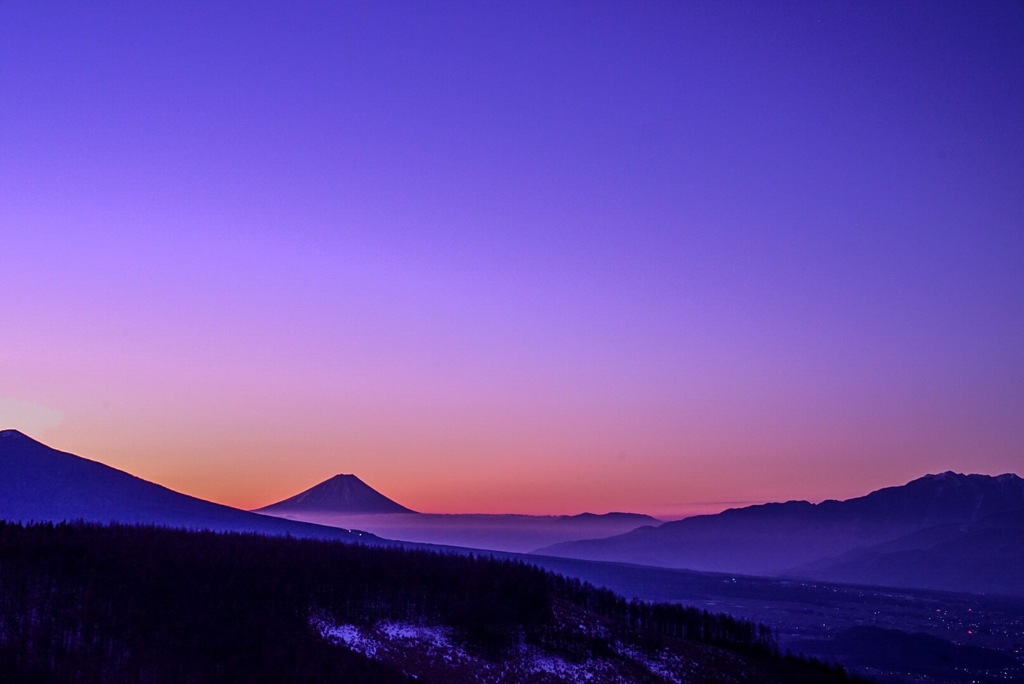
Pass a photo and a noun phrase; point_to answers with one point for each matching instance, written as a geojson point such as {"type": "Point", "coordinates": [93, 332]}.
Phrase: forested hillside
{"type": "Point", "coordinates": [87, 603]}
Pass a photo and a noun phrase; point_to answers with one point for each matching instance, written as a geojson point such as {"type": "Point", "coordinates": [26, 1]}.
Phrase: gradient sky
{"type": "Point", "coordinates": [537, 257]}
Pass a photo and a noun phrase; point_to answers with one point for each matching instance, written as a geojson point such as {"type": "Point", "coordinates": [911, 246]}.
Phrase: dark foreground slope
{"type": "Point", "coordinates": [41, 484]}
{"type": "Point", "coordinates": [83, 603]}
{"type": "Point", "coordinates": [853, 541]}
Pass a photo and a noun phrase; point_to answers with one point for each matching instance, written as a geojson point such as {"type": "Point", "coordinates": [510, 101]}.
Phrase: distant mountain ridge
{"type": "Point", "coordinates": [342, 493]}
{"type": "Point", "coordinates": [935, 516]}
{"type": "Point", "coordinates": [40, 484]}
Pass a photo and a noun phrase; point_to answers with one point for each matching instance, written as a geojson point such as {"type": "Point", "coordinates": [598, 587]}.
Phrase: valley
{"type": "Point", "coordinates": [811, 618]}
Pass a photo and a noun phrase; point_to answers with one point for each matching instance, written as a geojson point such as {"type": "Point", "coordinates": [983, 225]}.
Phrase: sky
{"type": "Point", "coordinates": [532, 257]}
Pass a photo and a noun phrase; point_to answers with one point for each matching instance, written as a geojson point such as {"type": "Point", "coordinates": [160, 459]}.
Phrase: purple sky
{"type": "Point", "coordinates": [536, 257]}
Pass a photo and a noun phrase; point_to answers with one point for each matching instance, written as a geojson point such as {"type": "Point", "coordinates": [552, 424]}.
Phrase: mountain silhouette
{"type": "Point", "coordinates": [951, 516]}
{"type": "Point", "coordinates": [984, 556]}
{"type": "Point", "coordinates": [342, 493]}
{"type": "Point", "coordinates": [40, 484]}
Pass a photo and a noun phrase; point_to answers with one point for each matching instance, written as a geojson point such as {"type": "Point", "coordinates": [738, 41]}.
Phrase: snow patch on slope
{"type": "Point", "coordinates": [432, 652]}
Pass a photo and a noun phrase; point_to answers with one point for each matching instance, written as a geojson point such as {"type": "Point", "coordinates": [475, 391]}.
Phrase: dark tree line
{"type": "Point", "coordinates": [85, 603]}
{"type": "Point", "coordinates": [669, 619]}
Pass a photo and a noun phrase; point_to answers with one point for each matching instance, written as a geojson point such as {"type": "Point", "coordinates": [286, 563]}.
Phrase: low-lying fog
{"type": "Point", "coordinates": [517, 533]}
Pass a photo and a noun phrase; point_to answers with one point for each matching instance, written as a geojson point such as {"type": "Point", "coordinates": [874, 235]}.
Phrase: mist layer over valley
{"type": "Point", "coordinates": [515, 533]}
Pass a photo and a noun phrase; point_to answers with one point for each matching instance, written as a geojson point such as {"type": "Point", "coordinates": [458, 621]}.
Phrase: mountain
{"type": "Point", "coordinates": [340, 494]}
{"type": "Point", "coordinates": [775, 538]}
{"type": "Point", "coordinates": [981, 556]}
{"type": "Point", "coordinates": [41, 484]}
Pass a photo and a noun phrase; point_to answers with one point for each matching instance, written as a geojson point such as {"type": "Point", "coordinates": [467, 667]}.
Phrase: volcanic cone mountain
{"type": "Point", "coordinates": [340, 494]}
